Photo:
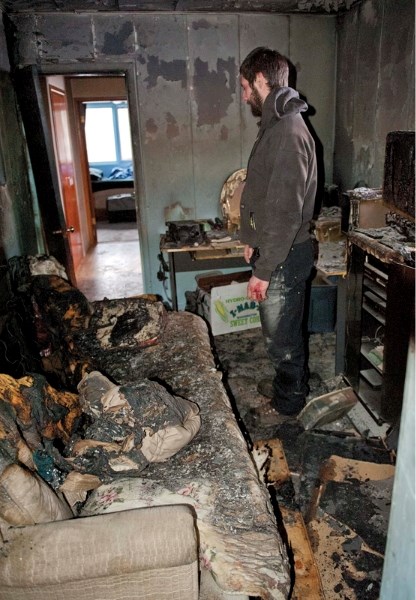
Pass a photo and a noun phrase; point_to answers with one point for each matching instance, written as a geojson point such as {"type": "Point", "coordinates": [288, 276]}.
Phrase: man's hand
{"type": "Point", "coordinates": [257, 289]}
{"type": "Point", "coordinates": [248, 251]}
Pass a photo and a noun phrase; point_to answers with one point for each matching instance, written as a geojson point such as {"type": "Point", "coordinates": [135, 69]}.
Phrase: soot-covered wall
{"type": "Point", "coordinates": [375, 87]}
{"type": "Point", "coordinates": [193, 130]}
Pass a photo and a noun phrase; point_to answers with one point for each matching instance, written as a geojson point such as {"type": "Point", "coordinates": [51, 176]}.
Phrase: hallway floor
{"type": "Point", "coordinates": [113, 268]}
{"type": "Point", "coordinates": [340, 476]}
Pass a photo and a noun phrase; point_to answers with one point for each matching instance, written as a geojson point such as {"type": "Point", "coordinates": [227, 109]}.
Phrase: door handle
{"type": "Point", "coordinates": [69, 229]}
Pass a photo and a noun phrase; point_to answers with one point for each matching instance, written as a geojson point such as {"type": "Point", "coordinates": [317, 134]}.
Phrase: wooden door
{"type": "Point", "coordinates": [41, 152]}
{"type": "Point", "coordinates": [66, 170]}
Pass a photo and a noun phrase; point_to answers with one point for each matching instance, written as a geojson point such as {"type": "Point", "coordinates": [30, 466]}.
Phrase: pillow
{"type": "Point", "coordinates": [160, 445]}
{"type": "Point", "coordinates": [132, 425]}
{"type": "Point", "coordinates": [25, 499]}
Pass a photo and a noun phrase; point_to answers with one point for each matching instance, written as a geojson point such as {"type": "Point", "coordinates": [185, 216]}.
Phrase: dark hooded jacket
{"type": "Point", "coordinates": [279, 194]}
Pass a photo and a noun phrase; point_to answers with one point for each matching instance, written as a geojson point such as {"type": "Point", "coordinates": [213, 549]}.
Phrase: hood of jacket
{"type": "Point", "coordinates": [280, 103]}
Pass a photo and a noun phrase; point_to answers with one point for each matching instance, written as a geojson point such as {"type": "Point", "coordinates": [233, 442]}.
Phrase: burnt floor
{"type": "Point", "coordinates": [340, 475]}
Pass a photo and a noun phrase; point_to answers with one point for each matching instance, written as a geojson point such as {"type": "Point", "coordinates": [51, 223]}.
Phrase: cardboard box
{"type": "Point", "coordinates": [368, 214]}
{"type": "Point", "coordinates": [363, 208]}
{"type": "Point", "coordinates": [222, 301]}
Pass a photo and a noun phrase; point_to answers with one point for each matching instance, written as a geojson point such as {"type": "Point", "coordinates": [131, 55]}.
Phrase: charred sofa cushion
{"type": "Point", "coordinates": [117, 332]}
{"type": "Point", "coordinates": [125, 323]}
{"type": "Point", "coordinates": [132, 426]}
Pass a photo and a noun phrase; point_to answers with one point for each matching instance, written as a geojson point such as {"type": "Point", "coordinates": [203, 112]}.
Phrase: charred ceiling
{"type": "Point", "coordinates": [327, 7]}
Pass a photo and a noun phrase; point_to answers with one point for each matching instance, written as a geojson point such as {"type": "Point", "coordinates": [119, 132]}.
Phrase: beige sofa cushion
{"type": "Point", "coordinates": [147, 554]}
{"type": "Point", "coordinates": [25, 499]}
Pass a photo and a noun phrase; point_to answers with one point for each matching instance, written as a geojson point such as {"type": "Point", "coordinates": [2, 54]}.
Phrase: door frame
{"type": "Point", "coordinates": [42, 156]}
{"type": "Point", "coordinates": [58, 245]}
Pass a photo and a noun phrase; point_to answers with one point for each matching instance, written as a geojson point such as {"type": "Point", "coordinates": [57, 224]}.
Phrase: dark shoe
{"type": "Point", "coordinates": [290, 408]}
{"type": "Point", "coordinates": [265, 388]}
{"type": "Point", "coordinates": [284, 408]}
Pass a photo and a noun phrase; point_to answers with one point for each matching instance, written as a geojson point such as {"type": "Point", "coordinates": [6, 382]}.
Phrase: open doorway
{"type": "Point", "coordinates": [102, 162]}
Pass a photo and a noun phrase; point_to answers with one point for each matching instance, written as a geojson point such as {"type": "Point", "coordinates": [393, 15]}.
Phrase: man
{"type": "Point", "coordinates": [276, 209]}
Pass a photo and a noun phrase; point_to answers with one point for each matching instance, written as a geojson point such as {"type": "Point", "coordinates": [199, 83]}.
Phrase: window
{"type": "Point", "coordinates": [107, 132]}
{"type": "Point", "coordinates": [124, 132]}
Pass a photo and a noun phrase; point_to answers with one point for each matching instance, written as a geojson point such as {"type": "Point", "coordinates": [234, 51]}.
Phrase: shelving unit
{"type": "Point", "coordinates": [379, 322]}
{"type": "Point", "coordinates": [374, 305]}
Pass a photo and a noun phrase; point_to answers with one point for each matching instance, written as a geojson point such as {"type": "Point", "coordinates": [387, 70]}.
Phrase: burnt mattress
{"type": "Point", "coordinates": [239, 541]}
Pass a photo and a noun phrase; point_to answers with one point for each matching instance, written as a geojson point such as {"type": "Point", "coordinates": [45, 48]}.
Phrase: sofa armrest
{"type": "Point", "coordinates": [98, 548]}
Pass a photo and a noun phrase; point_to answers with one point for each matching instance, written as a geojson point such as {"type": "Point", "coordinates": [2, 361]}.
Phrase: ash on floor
{"type": "Point", "coordinates": [345, 512]}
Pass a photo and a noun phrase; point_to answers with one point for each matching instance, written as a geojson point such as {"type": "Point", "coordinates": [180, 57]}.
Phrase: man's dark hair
{"type": "Point", "coordinates": [273, 65]}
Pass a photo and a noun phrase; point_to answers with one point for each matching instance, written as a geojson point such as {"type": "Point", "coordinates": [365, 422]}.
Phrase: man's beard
{"type": "Point", "coordinates": [256, 104]}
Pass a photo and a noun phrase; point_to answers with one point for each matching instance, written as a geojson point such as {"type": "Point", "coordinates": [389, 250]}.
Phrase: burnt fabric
{"type": "Point", "coordinates": [51, 311]}
{"type": "Point", "coordinates": [122, 325]}
{"type": "Point", "coordinates": [66, 335]}
{"type": "Point", "coordinates": [106, 431]}
{"type": "Point", "coordinates": [36, 410]}
{"type": "Point", "coordinates": [36, 422]}
{"type": "Point", "coordinates": [131, 426]}
{"type": "Point", "coordinates": [238, 538]}
{"type": "Point", "coordinates": [13, 448]}
{"type": "Point", "coordinates": [23, 268]}
{"type": "Point", "coordinates": [60, 310]}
